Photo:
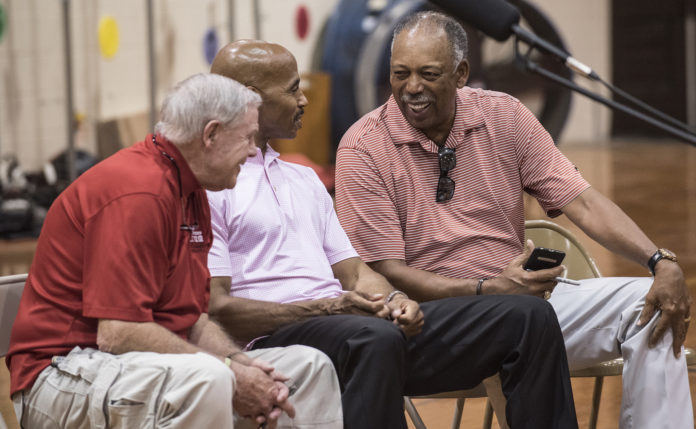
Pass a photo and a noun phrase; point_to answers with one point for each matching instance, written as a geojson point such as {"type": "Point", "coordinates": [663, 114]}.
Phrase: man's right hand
{"type": "Point", "coordinates": [258, 396]}
{"type": "Point", "coordinates": [360, 304]}
{"type": "Point", "coordinates": [516, 280]}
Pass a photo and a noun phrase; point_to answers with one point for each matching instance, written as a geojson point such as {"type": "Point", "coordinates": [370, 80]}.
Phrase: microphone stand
{"type": "Point", "coordinates": [537, 69]}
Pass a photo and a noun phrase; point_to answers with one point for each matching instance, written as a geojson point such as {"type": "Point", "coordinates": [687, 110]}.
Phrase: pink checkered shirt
{"type": "Point", "coordinates": [276, 233]}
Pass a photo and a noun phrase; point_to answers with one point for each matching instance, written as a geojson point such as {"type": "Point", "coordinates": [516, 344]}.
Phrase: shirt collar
{"type": "Point", "coordinates": [266, 159]}
{"type": "Point", "coordinates": [468, 116]}
{"type": "Point", "coordinates": [189, 182]}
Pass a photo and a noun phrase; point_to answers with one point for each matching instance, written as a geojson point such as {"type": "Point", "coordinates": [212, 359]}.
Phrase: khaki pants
{"type": "Point", "coordinates": [91, 389]}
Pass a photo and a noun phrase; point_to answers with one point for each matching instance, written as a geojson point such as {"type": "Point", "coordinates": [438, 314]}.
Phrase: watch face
{"type": "Point", "coordinates": [668, 254]}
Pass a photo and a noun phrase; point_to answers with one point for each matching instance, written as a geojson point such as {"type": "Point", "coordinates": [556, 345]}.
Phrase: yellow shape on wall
{"type": "Point", "coordinates": [108, 37]}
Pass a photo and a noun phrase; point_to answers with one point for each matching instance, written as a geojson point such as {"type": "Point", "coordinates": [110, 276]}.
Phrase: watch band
{"type": "Point", "coordinates": [479, 286]}
{"type": "Point", "coordinates": [659, 255]}
{"type": "Point", "coordinates": [394, 293]}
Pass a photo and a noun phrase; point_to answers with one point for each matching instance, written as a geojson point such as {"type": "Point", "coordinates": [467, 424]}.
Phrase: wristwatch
{"type": "Point", "coordinates": [660, 254]}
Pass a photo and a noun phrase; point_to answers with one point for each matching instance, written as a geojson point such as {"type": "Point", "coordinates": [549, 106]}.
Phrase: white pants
{"type": "Point", "coordinates": [91, 389]}
{"type": "Point", "coordinates": [598, 320]}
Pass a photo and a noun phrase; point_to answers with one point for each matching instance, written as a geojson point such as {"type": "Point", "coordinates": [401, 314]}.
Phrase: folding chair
{"type": "Point", "coordinates": [11, 288]}
{"type": "Point", "coordinates": [578, 261]}
{"type": "Point", "coordinates": [547, 234]}
{"type": "Point", "coordinates": [490, 388]}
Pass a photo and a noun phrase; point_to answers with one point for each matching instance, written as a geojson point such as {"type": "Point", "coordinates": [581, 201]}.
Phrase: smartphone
{"type": "Point", "coordinates": [543, 258]}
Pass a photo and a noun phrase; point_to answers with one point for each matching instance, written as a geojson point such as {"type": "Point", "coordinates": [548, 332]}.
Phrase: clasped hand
{"type": "Point", "coordinates": [404, 312]}
{"type": "Point", "coordinates": [261, 393]}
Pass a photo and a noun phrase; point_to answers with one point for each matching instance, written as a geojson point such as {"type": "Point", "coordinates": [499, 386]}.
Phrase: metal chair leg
{"type": "Point", "coordinates": [488, 415]}
{"type": "Point", "coordinates": [458, 411]}
{"type": "Point", "coordinates": [596, 398]}
{"type": "Point", "coordinates": [496, 399]}
{"type": "Point", "coordinates": [413, 413]}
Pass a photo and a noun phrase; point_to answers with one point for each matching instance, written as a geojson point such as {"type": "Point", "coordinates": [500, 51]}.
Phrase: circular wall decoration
{"type": "Point", "coordinates": [108, 37]}
{"type": "Point", "coordinates": [210, 45]}
{"type": "Point", "coordinates": [3, 22]}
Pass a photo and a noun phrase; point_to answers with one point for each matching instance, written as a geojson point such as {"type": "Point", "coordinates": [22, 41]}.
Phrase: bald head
{"type": "Point", "coordinates": [252, 62]}
{"type": "Point", "coordinates": [271, 71]}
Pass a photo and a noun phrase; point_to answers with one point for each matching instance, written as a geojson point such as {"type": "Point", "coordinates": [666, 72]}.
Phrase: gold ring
{"type": "Point", "coordinates": [687, 320]}
{"type": "Point", "coordinates": [547, 294]}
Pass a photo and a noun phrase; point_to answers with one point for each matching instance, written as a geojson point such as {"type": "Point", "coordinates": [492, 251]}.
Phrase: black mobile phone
{"type": "Point", "coordinates": [543, 258]}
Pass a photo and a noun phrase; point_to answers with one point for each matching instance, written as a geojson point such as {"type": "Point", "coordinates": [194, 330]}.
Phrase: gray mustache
{"type": "Point", "coordinates": [416, 99]}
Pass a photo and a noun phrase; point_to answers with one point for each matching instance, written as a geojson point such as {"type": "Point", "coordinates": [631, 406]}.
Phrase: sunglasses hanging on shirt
{"type": "Point", "coordinates": [445, 185]}
{"type": "Point", "coordinates": [184, 226]}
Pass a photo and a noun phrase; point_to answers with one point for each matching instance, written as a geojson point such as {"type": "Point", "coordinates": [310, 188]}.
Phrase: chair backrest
{"type": "Point", "coordinates": [11, 288]}
{"type": "Point", "coordinates": [548, 234]}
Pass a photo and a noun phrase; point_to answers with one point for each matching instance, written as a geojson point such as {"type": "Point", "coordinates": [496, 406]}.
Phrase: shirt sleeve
{"type": "Point", "coordinates": [365, 209]}
{"type": "Point", "coordinates": [336, 244]}
{"type": "Point", "coordinates": [546, 173]}
{"type": "Point", "coordinates": [219, 263]}
{"type": "Point", "coordinates": [126, 258]}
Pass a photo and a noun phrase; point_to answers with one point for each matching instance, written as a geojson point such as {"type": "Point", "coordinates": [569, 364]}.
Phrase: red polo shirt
{"type": "Point", "coordinates": [387, 174]}
{"type": "Point", "coordinates": [112, 248]}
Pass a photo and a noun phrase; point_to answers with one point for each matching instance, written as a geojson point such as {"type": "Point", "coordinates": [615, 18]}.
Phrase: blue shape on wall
{"type": "Point", "coordinates": [210, 45]}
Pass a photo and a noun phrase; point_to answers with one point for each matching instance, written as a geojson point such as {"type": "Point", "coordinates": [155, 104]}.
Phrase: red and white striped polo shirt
{"type": "Point", "coordinates": [387, 175]}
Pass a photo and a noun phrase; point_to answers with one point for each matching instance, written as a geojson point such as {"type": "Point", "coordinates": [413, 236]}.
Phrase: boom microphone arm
{"type": "Point", "coordinates": [560, 80]}
{"type": "Point", "coordinates": [537, 42]}
{"type": "Point", "coordinates": [500, 20]}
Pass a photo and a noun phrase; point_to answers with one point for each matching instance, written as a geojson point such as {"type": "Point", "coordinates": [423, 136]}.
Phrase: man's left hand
{"type": "Point", "coordinates": [406, 314]}
{"type": "Point", "coordinates": [282, 403]}
{"type": "Point", "coordinates": [669, 294]}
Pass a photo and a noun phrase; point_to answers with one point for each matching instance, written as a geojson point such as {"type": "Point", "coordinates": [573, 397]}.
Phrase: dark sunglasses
{"type": "Point", "coordinates": [445, 185]}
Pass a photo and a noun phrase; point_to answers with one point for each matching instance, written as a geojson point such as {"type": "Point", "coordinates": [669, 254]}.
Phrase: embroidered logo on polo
{"type": "Point", "coordinates": [197, 240]}
{"type": "Point", "coordinates": [196, 236]}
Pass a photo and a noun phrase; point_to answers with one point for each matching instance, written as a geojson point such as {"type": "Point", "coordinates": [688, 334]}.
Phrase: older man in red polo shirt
{"type": "Point", "coordinates": [112, 329]}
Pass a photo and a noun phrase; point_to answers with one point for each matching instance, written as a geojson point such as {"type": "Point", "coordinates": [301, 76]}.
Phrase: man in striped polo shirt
{"type": "Point", "coordinates": [397, 168]}
{"type": "Point", "coordinates": [284, 272]}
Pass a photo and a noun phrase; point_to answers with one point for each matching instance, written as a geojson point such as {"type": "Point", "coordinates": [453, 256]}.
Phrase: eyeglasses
{"type": "Point", "coordinates": [445, 185]}
{"type": "Point", "coordinates": [184, 225]}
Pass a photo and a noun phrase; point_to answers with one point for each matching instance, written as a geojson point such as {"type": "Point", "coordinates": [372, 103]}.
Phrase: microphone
{"type": "Point", "coordinates": [494, 17]}
{"type": "Point", "coordinates": [499, 20]}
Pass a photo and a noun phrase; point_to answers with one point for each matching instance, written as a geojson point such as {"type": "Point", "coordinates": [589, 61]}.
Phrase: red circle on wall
{"type": "Point", "coordinates": [302, 22]}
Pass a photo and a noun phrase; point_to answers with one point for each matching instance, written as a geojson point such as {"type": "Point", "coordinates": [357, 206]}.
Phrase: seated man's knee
{"type": "Point", "coordinates": [381, 334]}
{"type": "Point", "coordinates": [303, 362]}
{"type": "Point", "coordinates": [212, 376]}
{"type": "Point", "coordinates": [307, 364]}
{"type": "Point", "coordinates": [640, 286]}
{"type": "Point", "coordinates": [525, 305]}
{"type": "Point", "coordinates": [533, 312]}
{"type": "Point", "coordinates": [368, 339]}
{"type": "Point", "coordinates": [311, 357]}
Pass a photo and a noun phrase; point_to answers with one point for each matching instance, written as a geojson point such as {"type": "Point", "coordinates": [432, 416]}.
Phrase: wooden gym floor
{"type": "Point", "coordinates": [654, 182]}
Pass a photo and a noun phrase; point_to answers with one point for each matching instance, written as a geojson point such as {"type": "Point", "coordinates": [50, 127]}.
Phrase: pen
{"type": "Point", "coordinates": [569, 281]}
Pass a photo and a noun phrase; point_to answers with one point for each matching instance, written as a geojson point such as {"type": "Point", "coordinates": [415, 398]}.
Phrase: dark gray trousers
{"type": "Point", "coordinates": [464, 340]}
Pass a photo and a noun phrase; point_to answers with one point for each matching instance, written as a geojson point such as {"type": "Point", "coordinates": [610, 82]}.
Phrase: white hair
{"type": "Point", "coordinates": [199, 99]}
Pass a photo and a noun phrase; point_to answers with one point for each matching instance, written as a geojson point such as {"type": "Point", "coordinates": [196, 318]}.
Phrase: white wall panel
{"type": "Point", "coordinates": [32, 81]}
{"type": "Point", "coordinates": [278, 26]}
